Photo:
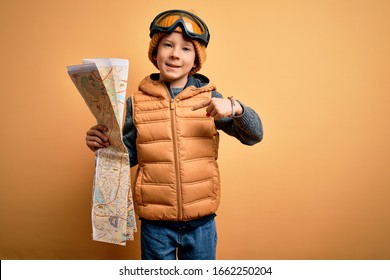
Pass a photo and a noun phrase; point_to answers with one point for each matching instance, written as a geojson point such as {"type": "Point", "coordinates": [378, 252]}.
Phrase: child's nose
{"type": "Point", "coordinates": [175, 53]}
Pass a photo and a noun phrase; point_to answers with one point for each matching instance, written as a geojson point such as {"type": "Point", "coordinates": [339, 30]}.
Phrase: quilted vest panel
{"type": "Point", "coordinates": [177, 177]}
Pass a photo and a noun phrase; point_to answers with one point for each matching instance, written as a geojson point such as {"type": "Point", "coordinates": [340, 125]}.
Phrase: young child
{"type": "Point", "coordinates": [171, 132]}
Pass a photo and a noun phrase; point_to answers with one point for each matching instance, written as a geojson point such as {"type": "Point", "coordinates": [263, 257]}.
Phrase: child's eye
{"type": "Point", "coordinates": [186, 49]}
{"type": "Point", "coordinates": [166, 44]}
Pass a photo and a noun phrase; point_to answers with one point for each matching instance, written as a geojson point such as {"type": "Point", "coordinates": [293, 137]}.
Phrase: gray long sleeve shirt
{"type": "Point", "coordinates": [247, 128]}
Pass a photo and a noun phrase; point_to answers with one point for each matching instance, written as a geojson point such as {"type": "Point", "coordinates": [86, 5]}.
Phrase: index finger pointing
{"type": "Point", "coordinates": [202, 104]}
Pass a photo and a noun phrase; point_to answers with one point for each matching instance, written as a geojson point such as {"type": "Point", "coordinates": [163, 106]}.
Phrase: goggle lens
{"type": "Point", "coordinates": [191, 23]}
{"type": "Point", "coordinates": [168, 21]}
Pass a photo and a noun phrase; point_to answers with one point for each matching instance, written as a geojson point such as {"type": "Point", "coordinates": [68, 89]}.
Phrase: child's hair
{"type": "Point", "coordinates": [182, 20]}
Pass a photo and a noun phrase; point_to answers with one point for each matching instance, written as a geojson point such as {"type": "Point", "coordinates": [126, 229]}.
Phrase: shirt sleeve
{"type": "Point", "coordinates": [247, 128]}
{"type": "Point", "coordinates": [130, 134]}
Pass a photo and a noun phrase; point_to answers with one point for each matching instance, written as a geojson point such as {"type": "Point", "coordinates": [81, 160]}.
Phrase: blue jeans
{"type": "Point", "coordinates": [168, 243]}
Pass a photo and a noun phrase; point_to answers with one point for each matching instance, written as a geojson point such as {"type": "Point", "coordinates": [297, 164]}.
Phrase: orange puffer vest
{"type": "Point", "coordinates": [177, 177]}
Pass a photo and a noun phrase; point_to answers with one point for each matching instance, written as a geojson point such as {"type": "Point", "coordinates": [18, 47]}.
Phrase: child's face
{"type": "Point", "coordinates": [175, 59]}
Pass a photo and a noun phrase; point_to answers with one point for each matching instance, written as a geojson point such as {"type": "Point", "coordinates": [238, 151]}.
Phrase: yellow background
{"type": "Point", "coordinates": [317, 72]}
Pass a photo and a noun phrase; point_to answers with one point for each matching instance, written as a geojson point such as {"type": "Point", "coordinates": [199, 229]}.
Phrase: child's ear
{"type": "Point", "coordinates": [154, 57]}
{"type": "Point", "coordinates": [195, 65]}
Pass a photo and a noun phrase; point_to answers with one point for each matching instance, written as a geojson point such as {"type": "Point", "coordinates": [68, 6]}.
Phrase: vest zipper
{"type": "Point", "coordinates": [172, 107]}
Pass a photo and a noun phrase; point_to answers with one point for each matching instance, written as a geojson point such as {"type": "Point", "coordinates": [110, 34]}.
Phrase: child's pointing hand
{"type": "Point", "coordinates": [218, 108]}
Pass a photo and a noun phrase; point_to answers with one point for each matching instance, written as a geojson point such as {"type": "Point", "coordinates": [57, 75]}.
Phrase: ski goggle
{"type": "Point", "coordinates": [191, 25]}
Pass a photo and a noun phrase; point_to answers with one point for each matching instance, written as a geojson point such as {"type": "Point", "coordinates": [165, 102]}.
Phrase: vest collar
{"type": "Point", "coordinates": [196, 84]}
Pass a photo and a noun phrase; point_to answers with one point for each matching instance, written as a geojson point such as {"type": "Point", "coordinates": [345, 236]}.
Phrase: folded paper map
{"type": "Point", "coordinates": [102, 83]}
